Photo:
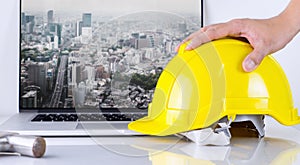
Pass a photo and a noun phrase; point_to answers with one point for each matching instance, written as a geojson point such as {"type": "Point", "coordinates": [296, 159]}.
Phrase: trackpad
{"type": "Point", "coordinates": [52, 125]}
{"type": "Point", "coordinates": [110, 126]}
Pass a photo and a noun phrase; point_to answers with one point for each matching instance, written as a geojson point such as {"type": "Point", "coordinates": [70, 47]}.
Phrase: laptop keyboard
{"type": "Point", "coordinates": [87, 117]}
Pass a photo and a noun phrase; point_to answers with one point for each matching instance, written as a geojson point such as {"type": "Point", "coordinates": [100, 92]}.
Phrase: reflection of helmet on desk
{"type": "Point", "coordinates": [246, 151]}
{"type": "Point", "coordinates": [199, 87]}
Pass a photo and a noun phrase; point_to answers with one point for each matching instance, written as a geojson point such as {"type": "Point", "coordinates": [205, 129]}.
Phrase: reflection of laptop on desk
{"type": "Point", "coordinates": [87, 68]}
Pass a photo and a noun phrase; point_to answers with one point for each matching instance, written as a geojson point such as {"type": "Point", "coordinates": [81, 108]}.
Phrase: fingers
{"type": "Point", "coordinates": [190, 37]}
{"type": "Point", "coordinates": [198, 40]}
{"type": "Point", "coordinates": [252, 61]}
{"type": "Point", "coordinates": [200, 37]}
{"type": "Point", "coordinates": [232, 28]}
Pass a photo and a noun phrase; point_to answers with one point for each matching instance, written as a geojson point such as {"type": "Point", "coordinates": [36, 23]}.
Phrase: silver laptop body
{"type": "Point", "coordinates": [90, 69]}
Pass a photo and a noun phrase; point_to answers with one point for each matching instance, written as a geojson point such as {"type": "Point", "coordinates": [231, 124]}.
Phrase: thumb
{"type": "Point", "coordinates": [252, 61]}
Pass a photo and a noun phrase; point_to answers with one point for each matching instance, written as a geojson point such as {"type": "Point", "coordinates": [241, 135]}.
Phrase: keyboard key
{"type": "Point", "coordinates": [87, 117]}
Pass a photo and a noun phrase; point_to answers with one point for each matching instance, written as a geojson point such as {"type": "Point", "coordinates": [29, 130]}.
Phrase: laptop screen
{"type": "Point", "coordinates": [105, 54]}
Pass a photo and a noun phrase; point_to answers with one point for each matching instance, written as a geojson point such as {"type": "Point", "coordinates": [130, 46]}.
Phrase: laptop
{"type": "Point", "coordinates": [90, 67]}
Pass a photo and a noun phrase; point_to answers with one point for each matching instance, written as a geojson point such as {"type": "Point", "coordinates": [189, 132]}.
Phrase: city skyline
{"type": "Point", "coordinates": [82, 59]}
{"type": "Point", "coordinates": [110, 7]}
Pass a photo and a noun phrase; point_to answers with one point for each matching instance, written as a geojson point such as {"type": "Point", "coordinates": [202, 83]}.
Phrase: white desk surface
{"type": "Point", "coordinates": [281, 145]}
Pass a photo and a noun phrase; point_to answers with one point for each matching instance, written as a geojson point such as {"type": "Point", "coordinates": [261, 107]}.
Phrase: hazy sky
{"type": "Point", "coordinates": [189, 6]}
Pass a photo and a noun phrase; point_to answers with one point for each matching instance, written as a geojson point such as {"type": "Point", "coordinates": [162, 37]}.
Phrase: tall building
{"type": "Point", "coordinates": [49, 79]}
{"type": "Point", "coordinates": [29, 100]}
{"type": "Point", "coordinates": [29, 18]}
{"type": "Point", "coordinates": [86, 35]}
{"type": "Point", "coordinates": [50, 16]}
{"type": "Point", "coordinates": [135, 35]}
{"type": "Point", "coordinates": [87, 20]}
{"type": "Point", "coordinates": [76, 74]}
{"type": "Point", "coordinates": [182, 27]}
{"type": "Point", "coordinates": [29, 23]}
{"type": "Point", "coordinates": [37, 75]}
{"type": "Point", "coordinates": [80, 93]}
{"type": "Point", "coordinates": [143, 43]}
{"type": "Point", "coordinates": [23, 25]}
{"type": "Point", "coordinates": [59, 29]}
{"type": "Point", "coordinates": [78, 28]}
{"type": "Point", "coordinates": [55, 30]}
{"type": "Point", "coordinates": [23, 19]}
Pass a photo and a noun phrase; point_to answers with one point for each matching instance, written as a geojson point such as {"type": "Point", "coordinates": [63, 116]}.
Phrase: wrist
{"type": "Point", "coordinates": [290, 17]}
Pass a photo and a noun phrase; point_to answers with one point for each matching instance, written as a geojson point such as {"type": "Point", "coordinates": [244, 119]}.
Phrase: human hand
{"type": "Point", "coordinates": [265, 36]}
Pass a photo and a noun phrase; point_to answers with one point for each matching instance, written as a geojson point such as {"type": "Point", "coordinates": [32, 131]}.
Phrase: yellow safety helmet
{"type": "Point", "coordinates": [198, 88]}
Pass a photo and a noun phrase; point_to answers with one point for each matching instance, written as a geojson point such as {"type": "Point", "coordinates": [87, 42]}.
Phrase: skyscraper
{"type": "Point", "coordinates": [29, 100]}
{"type": "Point", "coordinates": [29, 18]}
{"type": "Point", "coordinates": [87, 20]}
{"type": "Point", "coordinates": [78, 28]}
{"type": "Point", "coordinates": [55, 30]}
{"type": "Point", "coordinates": [182, 27]}
{"type": "Point", "coordinates": [23, 21]}
{"type": "Point", "coordinates": [29, 23]}
{"type": "Point", "coordinates": [50, 16]}
{"type": "Point", "coordinates": [86, 35]}
{"type": "Point", "coordinates": [37, 76]}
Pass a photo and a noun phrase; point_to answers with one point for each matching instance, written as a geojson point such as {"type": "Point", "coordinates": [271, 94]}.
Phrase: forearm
{"type": "Point", "coordinates": [265, 35]}
{"type": "Point", "coordinates": [291, 16]}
